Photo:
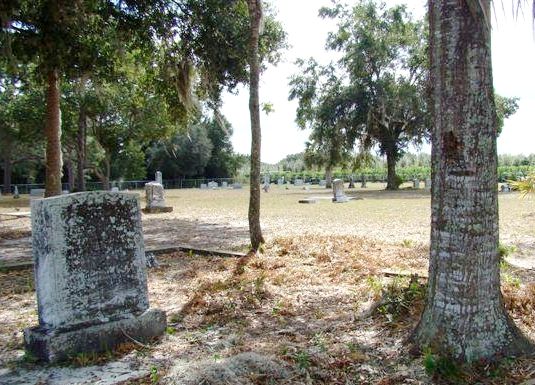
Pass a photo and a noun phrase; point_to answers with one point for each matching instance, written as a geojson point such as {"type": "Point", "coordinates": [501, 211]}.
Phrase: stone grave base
{"type": "Point", "coordinates": [56, 345]}
{"type": "Point", "coordinates": [157, 209]}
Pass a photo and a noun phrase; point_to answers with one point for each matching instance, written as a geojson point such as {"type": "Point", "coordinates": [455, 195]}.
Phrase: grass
{"type": "Point", "coordinates": [302, 301]}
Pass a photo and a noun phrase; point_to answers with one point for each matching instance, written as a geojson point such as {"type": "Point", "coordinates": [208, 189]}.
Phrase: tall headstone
{"type": "Point", "coordinates": [158, 177]}
{"type": "Point", "coordinates": [155, 199]}
{"type": "Point", "coordinates": [16, 193]}
{"type": "Point", "coordinates": [91, 279]}
{"type": "Point", "coordinates": [338, 191]}
{"type": "Point", "coordinates": [363, 181]}
{"type": "Point", "coordinates": [428, 183]}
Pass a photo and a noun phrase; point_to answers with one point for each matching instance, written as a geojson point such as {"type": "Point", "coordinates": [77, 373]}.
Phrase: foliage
{"type": "Point", "coordinates": [525, 185]}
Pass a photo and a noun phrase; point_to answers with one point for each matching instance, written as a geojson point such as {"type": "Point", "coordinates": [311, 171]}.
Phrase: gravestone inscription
{"type": "Point", "coordinates": [91, 280]}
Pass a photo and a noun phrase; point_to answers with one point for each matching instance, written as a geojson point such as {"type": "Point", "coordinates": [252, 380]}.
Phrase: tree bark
{"type": "Point", "coordinates": [464, 317]}
{"type": "Point", "coordinates": [255, 231]}
{"type": "Point", "coordinates": [8, 170]}
{"type": "Point", "coordinates": [328, 177]}
{"type": "Point", "coordinates": [81, 147]}
{"type": "Point", "coordinates": [70, 173]}
{"type": "Point", "coordinates": [391, 177]}
{"type": "Point", "coordinates": [53, 136]}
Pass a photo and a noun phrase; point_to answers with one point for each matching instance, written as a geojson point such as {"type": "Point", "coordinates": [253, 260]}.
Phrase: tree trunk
{"type": "Point", "coordinates": [328, 177]}
{"type": "Point", "coordinates": [391, 177]}
{"type": "Point", "coordinates": [107, 173]}
{"type": "Point", "coordinates": [8, 170]}
{"type": "Point", "coordinates": [81, 147]}
{"type": "Point", "coordinates": [255, 231]}
{"type": "Point", "coordinates": [465, 316]}
{"type": "Point", "coordinates": [53, 136]}
{"type": "Point", "coordinates": [70, 173]}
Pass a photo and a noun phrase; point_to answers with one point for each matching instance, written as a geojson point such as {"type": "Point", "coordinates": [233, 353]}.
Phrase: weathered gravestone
{"type": "Point", "coordinates": [363, 181]}
{"type": "Point", "coordinates": [237, 186]}
{"type": "Point", "coordinates": [338, 191]}
{"type": "Point", "coordinates": [158, 177]}
{"type": "Point", "coordinates": [16, 193]}
{"type": "Point", "coordinates": [224, 184]}
{"type": "Point", "coordinates": [416, 183]}
{"type": "Point", "coordinates": [155, 199]}
{"type": "Point", "coordinates": [280, 182]}
{"type": "Point", "coordinates": [323, 183]}
{"type": "Point", "coordinates": [90, 273]}
{"type": "Point", "coordinates": [213, 185]}
{"type": "Point", "coordinates": [428, 184]}
{"type": "Point", "coordinates": [204, 186]}
{"type": "Point", "coordinates": [299, 182]}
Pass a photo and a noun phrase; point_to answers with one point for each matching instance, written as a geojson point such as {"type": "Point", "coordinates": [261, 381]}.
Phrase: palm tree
{"type": "Point", "coordinates": [255, 231]}
{"type": "Point", "coordinates": [465, 316]}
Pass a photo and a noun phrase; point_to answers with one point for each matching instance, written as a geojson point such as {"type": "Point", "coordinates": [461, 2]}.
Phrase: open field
{"type": "Point", "coordinates": [315, 306]}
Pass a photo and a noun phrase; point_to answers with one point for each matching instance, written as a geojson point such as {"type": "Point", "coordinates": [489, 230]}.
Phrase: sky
{"type": "Point", "coordinates": [513, 60]}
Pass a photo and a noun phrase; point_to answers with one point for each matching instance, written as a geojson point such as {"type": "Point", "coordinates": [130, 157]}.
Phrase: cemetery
{"type": "Point", "coordinates": [306, 306]}
{"type": "Point", "coordinates": [266, 192]}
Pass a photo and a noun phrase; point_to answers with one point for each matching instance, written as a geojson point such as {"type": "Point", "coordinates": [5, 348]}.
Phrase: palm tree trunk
{"type": "Point", "coordinates": [465, 315]}
{"type": "Point", "coordinates": [255, 231]}
{"type": "Point", "coordinates": [53, 136]}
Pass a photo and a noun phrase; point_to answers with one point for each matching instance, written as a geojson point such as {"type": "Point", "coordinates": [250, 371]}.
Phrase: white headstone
{"type": "Point", "coordinates": [213, 185]}
{"type": "Point", "coordinates": [158, 178]}
{"type": "Point", "coordinates": [204, 186]}
{"type": "Point", "coordinates": [16, 193]}
{"type": "Point", "coordinates": [224, 184]}
{"type": "Point", "coordinates": [338, 191]}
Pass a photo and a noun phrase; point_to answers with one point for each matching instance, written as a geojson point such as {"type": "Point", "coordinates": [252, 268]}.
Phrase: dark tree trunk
{"type": "Point", "coordinates": [53, 136]}
{"type": "Point", "coordinates": [107, 173]}
{"type": "Point", "coordinates": [81, 148]}
{"type": "Point", "coordinates": [391, 177]}
{"type": "Point", "coordinates": [70, 173]}
{"type": "Point", "coordinates": [255, 231]}
{"type": "Point", "coordinates": [8, 170]}
{"type": "Point", "coordinates": [465, 316]}
{"type": "Point", "coordinates": [328, 177]}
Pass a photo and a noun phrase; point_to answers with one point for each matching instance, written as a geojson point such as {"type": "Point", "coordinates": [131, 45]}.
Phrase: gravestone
{"type": "Point", "coordinates": [91, 279]}
{"type": "Point", "coordinates": [155, 199]}
{"type": "Point", "coordinates": [236, 186]}
{"type": "Point", "coordinates": [505, 188]}
{"type": "Point", "coordinates": [158, 177]}
{"type": "Point", "coordinates": [115, 189]}
{"type": "Point", "coordinates": [16, 193]}
{"type": "Point", "coordinates": [204, 186]}
{"type": "Point", "coordinates": [338, 191]}
{"type": "Point", "coordinates": [280, 182]}
{"type": "Point", "coordinates": [363, 181]}
{"type": "Point", "coordinates": [299, 182]}
{"type": "Point", "coordinates": [323, 183]}
{"type": "Point", "coordinates": [416, 183]}
{"type": "Point", "coordinates": [37, 193]}
{"type": "Point", "coordinates": [213, 185]}
{"type": "Point", "coordinates": [428, 183]}
{"type": "Point", "coordinates": [224, 184]}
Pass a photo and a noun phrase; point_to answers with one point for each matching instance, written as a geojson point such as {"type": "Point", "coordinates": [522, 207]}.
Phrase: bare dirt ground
{"type": "Point", "coordinates": [315, 303]}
